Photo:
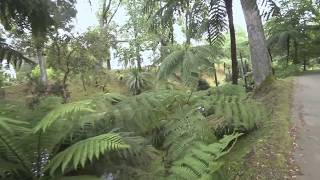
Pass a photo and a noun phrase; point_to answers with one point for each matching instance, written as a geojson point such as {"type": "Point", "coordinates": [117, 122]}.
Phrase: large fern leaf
{"type": "Point", "coordinates": [202, 162]}
{"type": "Point", "coordinates": [88, 149]}
{"type": "Point", "coordinates": [66, 112]}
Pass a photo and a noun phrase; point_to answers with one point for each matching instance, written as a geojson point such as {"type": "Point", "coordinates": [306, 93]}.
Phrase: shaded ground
{"type": "Point", "coordinates": [306, 115]}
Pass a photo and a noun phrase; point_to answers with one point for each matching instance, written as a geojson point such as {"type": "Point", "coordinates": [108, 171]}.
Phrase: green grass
{"type": "Point", "coordinates": [263, 154]}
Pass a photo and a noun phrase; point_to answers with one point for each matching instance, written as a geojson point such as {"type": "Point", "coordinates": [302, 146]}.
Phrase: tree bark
{"type": "Point", "coordinates": [258, 47]}
{"type": "Point", "coordinates": [233, 46]}
{"type": "Point", "coordinates": [215, 75]}
{"type": "Point", "coordinates": [42, 66]}
{"type": "Point", "coordinates": [295, 60]}
{"type": "Point", "coordinates": [109, 64]}
{"type": "Point", "coordinates": [188, 16]}
{"type": "Point", "coordinates": [137, 50]}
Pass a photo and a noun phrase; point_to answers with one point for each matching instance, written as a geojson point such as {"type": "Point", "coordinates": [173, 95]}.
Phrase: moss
{"type": "Point", "coordinates": [263, 154]}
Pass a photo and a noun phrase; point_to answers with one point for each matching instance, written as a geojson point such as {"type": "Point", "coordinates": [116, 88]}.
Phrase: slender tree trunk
{"type": "Point", "coordinates": [295, 60]}
{"type": "Point", "coordinates": [187, 23]}
{"type": "Point", "coordinates": [137, 49]}
{"type": "Point", "coordinates": [64, 84]}
{"type": "Point", "coordinates": [83, 83]}
{"type": "Point", "coordinates": [288, 50]}
{"type": "Point", "coordinates": [233, 46]}
{"type": "Point", "coordinates": [258, 47]}
{"type": "Point", "coordinates": [271, 59]}
{"type": "Point", "coordinates": [42, 66]}
{"type": "Point", "coordinates": [215, 75]}
{"type": "Point", "coordinates": [244, 72]}
{"type": "Point", "coordinates": [109, 64]}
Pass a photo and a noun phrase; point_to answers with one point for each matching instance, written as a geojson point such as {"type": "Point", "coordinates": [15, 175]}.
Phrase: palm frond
{"type": "Point", "coordinates": [12, 56]}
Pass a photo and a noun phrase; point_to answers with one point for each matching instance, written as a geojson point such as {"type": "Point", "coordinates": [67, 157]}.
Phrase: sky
{"type": "Point", "coordinates": [87, 17]}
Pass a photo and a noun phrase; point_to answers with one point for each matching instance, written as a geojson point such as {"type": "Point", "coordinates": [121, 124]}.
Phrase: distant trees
{"type": "Point", "coordinates": [38, 17]}
{"type": "Point", "coordinates": [292, 33]}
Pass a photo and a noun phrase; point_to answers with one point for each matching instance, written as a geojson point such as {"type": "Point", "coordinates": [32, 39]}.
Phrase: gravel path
{"type": "Point", "coordinates": [306, 115]}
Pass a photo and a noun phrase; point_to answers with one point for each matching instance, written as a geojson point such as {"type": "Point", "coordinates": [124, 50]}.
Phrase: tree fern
{"type": "Point", "coordinates": [12, 56]}
{"type": "Point", "coordinates": [217, 22]}
{"type": "Point", "coordinates": [11, 151]}
{"type": "Point", "coordinates": [187, 61]}
{"type": "Point", "coordinates": [71, 110]}
{"type": "Point", "coordinates": [202, 161]}
{"type": "Point", "coordinates": [82, 151]}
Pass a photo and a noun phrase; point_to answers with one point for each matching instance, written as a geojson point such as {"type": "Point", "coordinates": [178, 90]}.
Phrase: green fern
{"type": "Point", "coordinates": [203, 160]}
{"type": "Point", "coordinates": [187, 62]}
{"type": "Point", "coordinates": [88, 149]}
{"type": "Point", "coordinates": [61, 113]}
{"type": "Point", "coordinates": [12, 152]}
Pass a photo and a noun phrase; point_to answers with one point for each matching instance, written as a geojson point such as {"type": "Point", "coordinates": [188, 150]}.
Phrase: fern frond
{"type": "Point", "coordinates": [13, 56]}
{"type": "Point", "coordinates": [63, 113]}
{"type": "Point", "coordinates": [82, 151]}
{"type": "Point", "coordinates": [171, 63]}
{"type": "Point", "coordinates": [11, 133]}
{"type": "Point", "coordinates": [217, 22]}
{"type": "Point", "coordinates": [195, 166]}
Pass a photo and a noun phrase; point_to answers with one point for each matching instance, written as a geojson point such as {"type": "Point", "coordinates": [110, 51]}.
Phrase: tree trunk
{"type": "Point", "coordinates": [288, 50]}
{"type": "Point", "coordinates": [215, 75]}
{"type": "Point", "coordinates": [273, 70]}
{"type": "Point", "coordinates": [187, 23]}
{"type": "Point", "coordinates": [233, 46]}
{"type": "Point", "coordinates": [244, 72]}
{"type": "Point", "coordinates": [295, 60]}
{"type": "Point", "coordinates": [42, 66]}
{"type": "Point", "coordinates": [109, 64]}
{"type": "Point", "coordinates": [83, 83]}
{"type": "Point", "coordinates": [137, 49]}
{"type": "Point", "coordinates": [258, 47]}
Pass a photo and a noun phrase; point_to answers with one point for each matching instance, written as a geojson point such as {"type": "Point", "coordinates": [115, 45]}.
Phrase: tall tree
{"type": "Point", "coordinates": [108, 11]}
{"type": "Point", "coordinates": [233, 45]}
{"type": "Point", "coordinates": [260, 58]}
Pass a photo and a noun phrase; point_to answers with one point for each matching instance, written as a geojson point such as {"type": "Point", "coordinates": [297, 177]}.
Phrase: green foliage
{"type": "Point", "coordinates": [12, 56]}
{"type": "Point", "coordinates": [35, 73]}
{"type": "Point", "coordinates": [170, 132]}
{"type": "Point", "coordinates": [138, 81]}
{"type": "Point", "coordinates": [88, 149]}
{"type": "Point", "coordinates": [61, 113]}
{"type": "Point", "coordinates": [282, 70]}
{"type": "Point", "coordinates": [201, 162]}
{"type": "Point", "coordinates": [187, 62]}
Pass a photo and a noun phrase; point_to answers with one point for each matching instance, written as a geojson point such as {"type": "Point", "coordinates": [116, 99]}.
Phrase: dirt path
{"type": "Point", "coordinates": [306, 114]}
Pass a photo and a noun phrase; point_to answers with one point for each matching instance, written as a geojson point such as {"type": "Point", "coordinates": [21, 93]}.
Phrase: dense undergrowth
{"type": "Point", "coordinates": [264, 153]}
{"type": "Point", "coordinates": [165, 134]}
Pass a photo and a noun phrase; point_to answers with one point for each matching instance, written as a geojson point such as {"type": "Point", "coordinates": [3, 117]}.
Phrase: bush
{"type": "Point", "coordinates": [283, 70]}
{"type": "Point", "coordinates": [35, 73]}
{"type": "Point", "coordinates": [203, 85]}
